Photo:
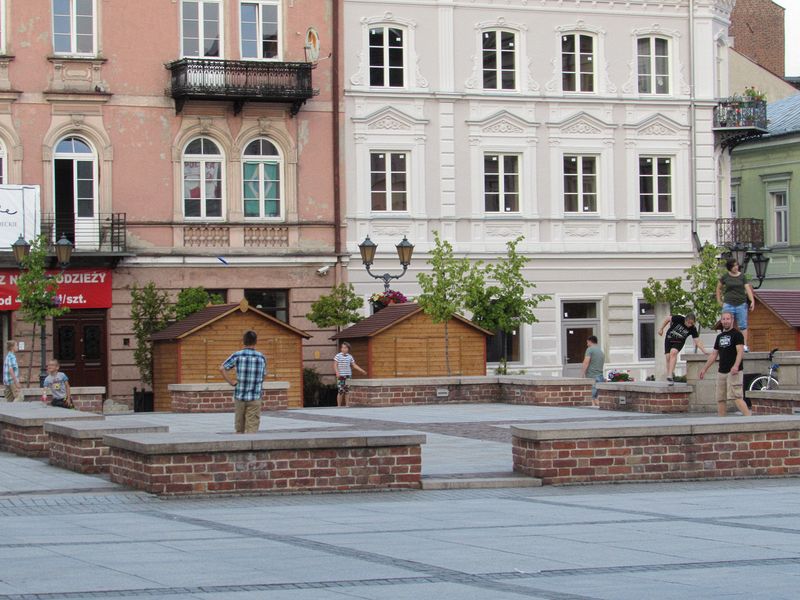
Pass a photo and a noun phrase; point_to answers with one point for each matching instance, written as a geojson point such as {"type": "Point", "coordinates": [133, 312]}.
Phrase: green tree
{"type": "Point", "coordinates": [703, 278]}
{"type": "Point", "coordinates": [38, 293]}
{"type": "Point", "coordinates": [151, 311]}
{"type": "Point", "coordinates": [446, 288]}
{"type": "Point", "coordinates": [191, 300]}
{"type": "Point", "coordinates": [506, 304]}
{"type": "Point", "coordinates": [337, 309]}
{"type": "Point", "coordinates": [670, 291]}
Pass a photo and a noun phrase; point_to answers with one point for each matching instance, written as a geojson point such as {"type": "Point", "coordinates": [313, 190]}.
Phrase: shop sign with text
{"type": "Point", "coordinates": [77, 288]}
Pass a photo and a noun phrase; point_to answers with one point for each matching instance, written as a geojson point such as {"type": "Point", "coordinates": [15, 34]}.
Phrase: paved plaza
{"type": "Point", "coordinates": [71, 536]}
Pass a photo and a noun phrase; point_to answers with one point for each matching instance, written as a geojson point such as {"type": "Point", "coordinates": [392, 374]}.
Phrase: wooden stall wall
{"type": "Point", "coordinates": [767, 331]}
{"type": "Point", "coordinates": [166, 361]}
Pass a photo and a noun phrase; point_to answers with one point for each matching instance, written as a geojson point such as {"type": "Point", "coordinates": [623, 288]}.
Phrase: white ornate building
{"type": "Point", "coordinates": [585, 126]}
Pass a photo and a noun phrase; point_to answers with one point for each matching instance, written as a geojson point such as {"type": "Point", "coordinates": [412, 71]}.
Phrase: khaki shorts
{"type": "Point", "coordinates": [729, 387]}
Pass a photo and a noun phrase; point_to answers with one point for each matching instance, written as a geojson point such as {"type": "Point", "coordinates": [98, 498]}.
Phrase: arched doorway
{"type": "Point", "coordinates": [75, 193]}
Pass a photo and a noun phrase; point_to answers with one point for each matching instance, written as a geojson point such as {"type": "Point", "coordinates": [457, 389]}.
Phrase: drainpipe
{"type": "Point", "coordinates": [335, 124]}
{"type": "Point", "coordinates": [693, 129]}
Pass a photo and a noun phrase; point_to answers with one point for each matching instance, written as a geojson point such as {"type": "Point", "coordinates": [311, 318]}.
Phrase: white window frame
{"type": "Point", "coordinates": [638, 321]}
{"type": "Point", "coordinates": [655, 178]}
{"type": "Point", "coordinates": [203, 159]}
{"type": "Point", "coordinates": [595, 52]}
{"type": "Point", "coordinates": [780, 217]}
{"type": "Point", "coordinates": [498, 52]}
{"type": "Point", "coordinates": [388, 173]}
{"type": "Point", "coordinates": [73, 43]}
{"type": "Point", "coordinates": [262, 160]}
{"type": "Point", "coordinates": [652, 60]}
{"type": "Point", "coordinates": [580, 176]}
{"type": "Point", "coordinates": [386, 27]}
{"type": "Point", "coordinates": [502, 207]}
{"type": "Point", "coordinates": [3, 26]}
{"type": "Point", "coordinates": [260, 49]}
{"type": "Point", "coordinates": [201, 39]}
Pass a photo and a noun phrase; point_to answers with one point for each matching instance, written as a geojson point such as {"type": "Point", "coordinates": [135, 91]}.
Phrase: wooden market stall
{"type": "Point", "coordinates": [191, 350]}
{"type": "Point", "coordinates": [402, 341]}
{"type": "Point", "coordinates": [775, 322]}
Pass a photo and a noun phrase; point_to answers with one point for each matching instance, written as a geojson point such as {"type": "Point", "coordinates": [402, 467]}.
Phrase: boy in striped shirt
{"type": "Point", "coordinates": [343, 364]}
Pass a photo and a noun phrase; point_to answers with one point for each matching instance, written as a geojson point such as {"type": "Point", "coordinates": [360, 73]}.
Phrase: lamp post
{"type": "Point", "coordinates": [22, 249]}
{"type": "Point", "coordinates": [367, 248]}
{"type": "Point", "coordinates": [745, 254]}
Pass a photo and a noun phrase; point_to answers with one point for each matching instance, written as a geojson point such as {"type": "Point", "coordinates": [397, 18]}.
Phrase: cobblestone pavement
{"type": "Point", "coordinates": [70, 536]}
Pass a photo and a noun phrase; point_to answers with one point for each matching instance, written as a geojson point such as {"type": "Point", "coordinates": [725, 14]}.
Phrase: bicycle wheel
{"type": "Point", "coordinates": [765, 382]}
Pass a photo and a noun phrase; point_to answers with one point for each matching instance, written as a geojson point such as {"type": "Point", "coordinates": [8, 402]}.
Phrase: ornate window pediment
{"type": "Point", "coordinates": [584, 124]}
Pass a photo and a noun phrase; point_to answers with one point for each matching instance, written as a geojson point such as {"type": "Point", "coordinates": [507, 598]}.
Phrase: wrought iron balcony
{"type": "Point", "coordinates": [744, 232]}
{"type": "Point", "coordinates": [736, 120]}
{"type": "Point", "coordinates": [241, 81]}
{"type": "Point", "coordinates": [104, 233]}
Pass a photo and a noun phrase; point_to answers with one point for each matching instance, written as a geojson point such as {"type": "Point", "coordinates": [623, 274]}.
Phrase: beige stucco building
{"type": "Point", "coordinates": [586, 127]}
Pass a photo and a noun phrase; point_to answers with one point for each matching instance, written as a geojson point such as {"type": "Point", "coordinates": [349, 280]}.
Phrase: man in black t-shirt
{"type": "Point", "coordinates": [729, 346]}
{"type": "Point", "coordinates": [680, 328]}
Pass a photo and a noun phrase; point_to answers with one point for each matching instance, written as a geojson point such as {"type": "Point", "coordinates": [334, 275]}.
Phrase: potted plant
{"type": "Point", "coordinates": [381, 300]}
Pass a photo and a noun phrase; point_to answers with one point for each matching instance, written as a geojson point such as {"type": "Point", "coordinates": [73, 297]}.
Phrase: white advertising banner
{"type": "Point", "coordinates": [19, 213]}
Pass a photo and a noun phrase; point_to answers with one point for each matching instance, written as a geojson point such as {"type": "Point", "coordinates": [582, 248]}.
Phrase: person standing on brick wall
{"type": "Point", "coordinates": [735, 295]}
{"type": "Point", "coordinates": [729, 346]}
{"type": "Point", "coordinates": [679, 330]}
{"type": "Point", "coordinates": [343, 365]}
{"type": "Point", "coordinates": [592, 366]}
{"type": "Point", "coordinates": [251, 369]}
{"type": "Point", "coordinates": [13, 393]}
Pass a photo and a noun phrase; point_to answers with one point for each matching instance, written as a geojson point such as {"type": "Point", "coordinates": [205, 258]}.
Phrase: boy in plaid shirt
{"type": "Point", "coordinates": [251, 369]}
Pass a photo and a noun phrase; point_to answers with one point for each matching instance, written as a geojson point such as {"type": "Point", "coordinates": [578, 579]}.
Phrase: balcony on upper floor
{"type": "Point", "coordinates": [100, 235]}
{"type": "Point", "coordinates": [743, 232]}
{"type": "Point", "coordinates": [241, 81]}
{"type": "Point", "coordinates": [737, 120]}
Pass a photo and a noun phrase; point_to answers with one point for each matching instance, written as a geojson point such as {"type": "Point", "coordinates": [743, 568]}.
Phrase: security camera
{"type": "Point", "coordinates": [322, 271]}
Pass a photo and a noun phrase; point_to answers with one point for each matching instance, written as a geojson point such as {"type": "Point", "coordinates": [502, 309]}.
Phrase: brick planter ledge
{"type": "Point", "coordinates": [218, 397]}
{"type": "Point", "coordinates": [22, 426]}
{"type": "Point", "coordinates": [775, 402]}
{"type": "Point", "coordinates": [85, 399]}
{"type": "Point", "coordinates": [658, 449]}
{"type": "Point", "coordinates": [645, 396]}
{"type": "Point", "coordinates": [259, 463]}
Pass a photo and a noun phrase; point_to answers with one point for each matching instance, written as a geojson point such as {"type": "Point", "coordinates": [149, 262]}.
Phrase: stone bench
{"type": "Point", "coordinates": [645, 396]}
{"type": "Point", "coordinates": [78, 445]}
{"type": "Point", "coordinates": [218, 397]}
{"type": "Point", "coordinates": [775, 402]}
{"type": "Point", "coordinates": [22, 426]}
{"type": "Point", "coordinates": [658, 449]}
{"type": "Point", "coordinates": [258, 463]}
{"type": "Point", "coordinates": [85, 399]}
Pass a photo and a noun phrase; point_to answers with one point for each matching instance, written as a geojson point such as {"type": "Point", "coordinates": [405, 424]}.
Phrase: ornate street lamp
{"type": "Point", "coordinates": [63, 251]}
{"type": "Point", "coordinates": [21, 249]}
{"type": "Point", "coordinates": [367, 248]}
{"type": "Point", "coordinates": [759, 263]}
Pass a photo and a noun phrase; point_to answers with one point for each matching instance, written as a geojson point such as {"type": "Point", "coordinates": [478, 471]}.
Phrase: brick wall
{"type": "Point", "coordinates": [648, 402]}
{"type": "Point", "coordinates": [405, 394]}
{"type": "Point", "coordinates": [299, 470]}
{"type": "Point", "coordinates": [212, 401]}
{"type": "Point", "coordinates": [22, 440]}
{"type": "Point", "coordinates": [757, 27]}
{"type": "Point", "coordinates": [774, 406]}
{"type": "Point", "coordinates": [656, 458]}
{"type": "Point", "coordinates": [87, 455]}
{"type": "Point", "coordinates": [548, 395]}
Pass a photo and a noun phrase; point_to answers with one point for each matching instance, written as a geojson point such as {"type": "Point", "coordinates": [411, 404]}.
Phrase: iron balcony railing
{"type": "Point", "coordinates": [747, 232]}
{"type": "Point", "coordinates": [241, 81]}
{"type": "Point", "coordinates": [741, 114]}
{"type": "Point", "coordinates": [102, 233]}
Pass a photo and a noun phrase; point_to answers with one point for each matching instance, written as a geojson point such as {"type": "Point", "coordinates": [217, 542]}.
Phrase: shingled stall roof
{"type": "Point", "coordinates": [210, 314]}
{"type": "Point", "coordinates": [785, 304]}
{"type": "Point", "coordinates": [387, 317]}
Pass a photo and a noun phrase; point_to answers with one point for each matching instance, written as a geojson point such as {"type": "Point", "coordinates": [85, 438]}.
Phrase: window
{"type": "Point", "coordinates": [653, 65]}
{"type": "Point", "coordinates": [273, 302]}
{"type": "Point", "coordinates": [75, 193]}
{"type": "Point", "coordinates": [201, 20]}
{"type": "Point", "coordinates": [202, 179]}
{"type": "Point", "coordinates": [647, 331]}
{"type": "Point", "coordinates": [501, 182]}
{"type": "Point", "coordinates": [389, 181]}
{"type": "Point", "coordinates": [734, 201]}
{"type": "Point", "coordinates": [499, 60]}
{"type": "Point", "coordinates": [577, 63]}
{"type": "Point", "coordinates": [261, 181]}
{"type": "Point", "coordinates": [386, 57]}
{"type": "Point", "coordinates": [655, 184]}
{"type": "Point", "coordinates": [779, 201]}
{"type": "Point", "coordinates": [218, 294]}
{"type": "Point", "coordinates": [580, 184]}
{"type": "Point", "coordinates": [260, 33]}
{"type": "Point", "coordinates": [494, 346]}
{"type": "Point", "coordinates": [73, 27]}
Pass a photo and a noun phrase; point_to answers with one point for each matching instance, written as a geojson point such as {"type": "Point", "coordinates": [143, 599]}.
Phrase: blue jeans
{"type": "Point", "coordinates": [739, 313]}
{"type": "Point", "coordinates": [597, 379]}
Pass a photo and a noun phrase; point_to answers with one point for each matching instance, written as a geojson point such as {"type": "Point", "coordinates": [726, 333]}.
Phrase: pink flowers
{"type": "Point", "coordinates": [386, 298]}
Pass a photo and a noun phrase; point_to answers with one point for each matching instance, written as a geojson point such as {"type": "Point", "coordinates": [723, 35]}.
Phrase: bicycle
{"type": "Point", "coordinates": [769, 381]}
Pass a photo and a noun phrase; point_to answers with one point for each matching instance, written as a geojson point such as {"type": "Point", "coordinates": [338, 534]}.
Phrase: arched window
{"type": "Point", "coordinates": [261, 181]}
{"type": "Point", "coordinates": [75, 192]}
{"type": "Point", "coordinates": [202, 179]}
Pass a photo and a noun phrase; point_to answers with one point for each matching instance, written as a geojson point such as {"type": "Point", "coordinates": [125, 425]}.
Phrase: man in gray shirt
{"type": "Point", "coordinates": [592, 366]}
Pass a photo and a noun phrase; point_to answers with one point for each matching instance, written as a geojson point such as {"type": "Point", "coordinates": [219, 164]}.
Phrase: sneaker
{"type": "Point", "coordinates": [746, 349]}
{"type": "Point", "coordinates": [670, 380]}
